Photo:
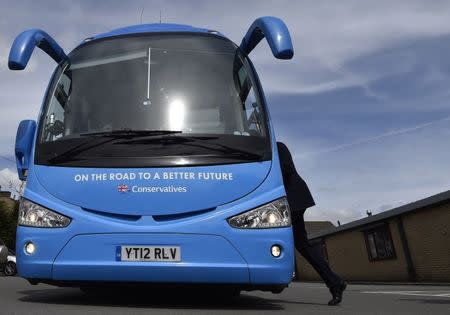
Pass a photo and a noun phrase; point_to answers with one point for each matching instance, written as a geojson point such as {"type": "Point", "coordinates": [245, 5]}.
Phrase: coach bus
{"type": "Point", "coordinates": [153, 160]}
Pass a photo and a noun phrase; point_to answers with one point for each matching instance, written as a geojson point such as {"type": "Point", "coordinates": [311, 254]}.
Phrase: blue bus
{"type": "Point", "coordinates": [154, 160]}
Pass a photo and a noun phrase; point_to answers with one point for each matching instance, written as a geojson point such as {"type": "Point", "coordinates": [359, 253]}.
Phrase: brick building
{"type": "Point", "coordinates": [408, 243]}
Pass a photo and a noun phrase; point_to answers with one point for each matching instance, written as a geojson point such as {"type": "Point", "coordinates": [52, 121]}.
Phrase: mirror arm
{"type": "Point", "coordinates": [24, 142]}
{"type": "Point", "coordinates": [24, 44]}
{"type": "Point", "coordinates": [276, 33]}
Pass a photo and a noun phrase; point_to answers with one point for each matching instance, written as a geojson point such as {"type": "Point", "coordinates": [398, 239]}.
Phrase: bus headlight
{"type": "Point", "coordinates": [31, 214]}
{"type": "Point", "coordinates": [275, 214]}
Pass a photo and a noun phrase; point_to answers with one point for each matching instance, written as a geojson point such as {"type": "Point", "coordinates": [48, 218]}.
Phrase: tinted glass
{"type": "Point", "coordinates": [198, 85]}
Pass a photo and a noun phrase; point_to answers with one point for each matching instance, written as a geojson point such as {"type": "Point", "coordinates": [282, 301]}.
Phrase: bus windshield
{"type": "Point", "coordinates": [153, 100]}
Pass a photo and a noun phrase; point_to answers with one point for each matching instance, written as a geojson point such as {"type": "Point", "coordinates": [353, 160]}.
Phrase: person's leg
{"type": "Point", "coordinates": [316, 260]}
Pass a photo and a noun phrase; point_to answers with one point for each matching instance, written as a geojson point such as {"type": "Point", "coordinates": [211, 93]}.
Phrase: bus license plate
{"type": "Point", "coordinates": [148, 253]}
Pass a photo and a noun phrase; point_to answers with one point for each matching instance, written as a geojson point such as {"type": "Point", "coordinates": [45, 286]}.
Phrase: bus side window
{"type": "Point", "coordinates": [54, 121]}
{"type": "Point", "coordinates": [249, 104]}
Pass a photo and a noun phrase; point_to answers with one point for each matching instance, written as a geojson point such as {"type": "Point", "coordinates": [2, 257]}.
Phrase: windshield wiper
{"type": "Point", "coordinates": [82, 147]}
{"type": "Point", "coordinates": [131, 133]}
{"type": "Point", "coordinates": [111, 135]}
{"type": "Point", "coordinates": [196, 141]}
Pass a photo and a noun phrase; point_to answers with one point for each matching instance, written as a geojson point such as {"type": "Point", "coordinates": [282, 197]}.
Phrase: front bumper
{"type": "Point", "coordinates": [212, 251]}
{"type": "Point", "coordinates": [205, 259]}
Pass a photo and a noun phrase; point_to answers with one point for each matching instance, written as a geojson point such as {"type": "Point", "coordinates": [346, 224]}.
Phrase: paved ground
{"type": "Point", "coordinates": [19, 297]}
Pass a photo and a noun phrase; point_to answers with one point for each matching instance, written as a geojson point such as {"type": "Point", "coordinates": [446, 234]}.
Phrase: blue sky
{"type": "Point", "coordinates": [364, 105]}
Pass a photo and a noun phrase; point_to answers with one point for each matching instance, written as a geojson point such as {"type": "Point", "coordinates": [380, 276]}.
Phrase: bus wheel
{"type": "Point", "coordinates": [10, 269]}
{"type": "Point", "coordinates": [230, 293]}
{"type": "Point", "coordinates": [90, 290]}
{"type": "Point", "coordinates": [235, 293]}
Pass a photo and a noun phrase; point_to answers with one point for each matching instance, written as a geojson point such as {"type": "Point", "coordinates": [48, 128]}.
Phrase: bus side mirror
{"type": "Point", "coordinates": [276, 34]}
{"type": "Point", "coordinates": [24, 142]}
{"type": "Point", "coordinates": [24, 44]}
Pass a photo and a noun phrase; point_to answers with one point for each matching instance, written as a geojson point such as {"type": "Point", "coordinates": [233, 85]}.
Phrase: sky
{"type": "Point", "coordinates": [363, 105]}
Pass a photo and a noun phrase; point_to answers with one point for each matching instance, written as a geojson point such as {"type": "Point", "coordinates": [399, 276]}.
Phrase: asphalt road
{"type": "Point", "coordinates": [19, 297]}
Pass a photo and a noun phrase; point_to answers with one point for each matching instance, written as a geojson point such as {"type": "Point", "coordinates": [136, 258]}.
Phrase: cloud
{"type": "Point", "coordinates": [9, 180]}
{"type": "Point", "coordinates": [326, 36]}
{"type": "Point", "coordinates": [397, 132]}
{"type": "Point", "coordinates": [360, 105]}
{"type": "Point", "coordinates": [341, 215]}
{"type": "Point", "coordinates": [379, 175]}
{"type": "Point", "coordinates": [4, 52]}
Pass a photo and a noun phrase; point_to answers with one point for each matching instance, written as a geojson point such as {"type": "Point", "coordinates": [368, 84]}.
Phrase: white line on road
{"type": "Point", "coordinates": [416, 293]}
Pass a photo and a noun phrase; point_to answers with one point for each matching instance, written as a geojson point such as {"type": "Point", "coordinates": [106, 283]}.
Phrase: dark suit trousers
{"type": "Point", "coordinates": [314, 258]}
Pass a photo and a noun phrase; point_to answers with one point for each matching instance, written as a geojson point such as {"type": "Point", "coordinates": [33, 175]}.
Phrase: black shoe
{"type": "Point", "coordinates": [336, 292]}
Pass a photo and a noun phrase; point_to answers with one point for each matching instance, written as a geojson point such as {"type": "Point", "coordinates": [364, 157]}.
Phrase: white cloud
{"type": "Point", "coordinates": [328, 36]}
{"type": "Point", "coordinates": [9, 180]}
{"type": "Point", "coordinates": [363, 141]}
{"type": "Point", "coordinates": [390, 171]}
{"type": "Point", "coordinates": [4, 52]}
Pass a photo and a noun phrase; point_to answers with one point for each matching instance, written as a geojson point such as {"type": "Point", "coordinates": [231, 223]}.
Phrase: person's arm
{"type": "Point", "coordinates": [298, 193]}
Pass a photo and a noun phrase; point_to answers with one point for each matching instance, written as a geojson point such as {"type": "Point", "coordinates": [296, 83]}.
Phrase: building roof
{"type": "Point", "coordinates": [313, 227]}
{"type": "Point", "coordinates": [410, 207]}
{"type": "Point", "coordinates": [154, 28]}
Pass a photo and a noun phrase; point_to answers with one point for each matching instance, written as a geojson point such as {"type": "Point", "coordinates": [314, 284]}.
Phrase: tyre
{"type": "Point", "coordinates": [10, 269]}
{"type": "Point", "coordinates": [90, 290]}
{"type": "Point", "coordinates": [235, 293]}
{"type": "Point", "coordinates": [226, 293]}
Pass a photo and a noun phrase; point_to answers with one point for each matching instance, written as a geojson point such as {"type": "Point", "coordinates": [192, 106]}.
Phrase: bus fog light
{"type": "Point", "coordinates": [30, 248]}
{"type": "Point", "coordinates": [276, 251]}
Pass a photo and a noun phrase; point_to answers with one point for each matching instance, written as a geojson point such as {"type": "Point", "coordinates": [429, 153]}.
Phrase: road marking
{"type": "Point", "coordinates": [415, 293]}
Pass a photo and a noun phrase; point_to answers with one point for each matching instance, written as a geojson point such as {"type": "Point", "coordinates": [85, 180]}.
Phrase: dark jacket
{"type": "Point", "coordinates": [298, 194]}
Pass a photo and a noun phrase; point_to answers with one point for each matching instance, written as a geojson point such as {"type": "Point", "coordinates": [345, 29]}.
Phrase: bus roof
{"type": "Point", "coordinates": [153, 28]}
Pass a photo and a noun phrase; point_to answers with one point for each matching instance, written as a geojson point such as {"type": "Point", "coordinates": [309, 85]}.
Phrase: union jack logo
{"type": "Point", "coordinates": [122, 188]}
